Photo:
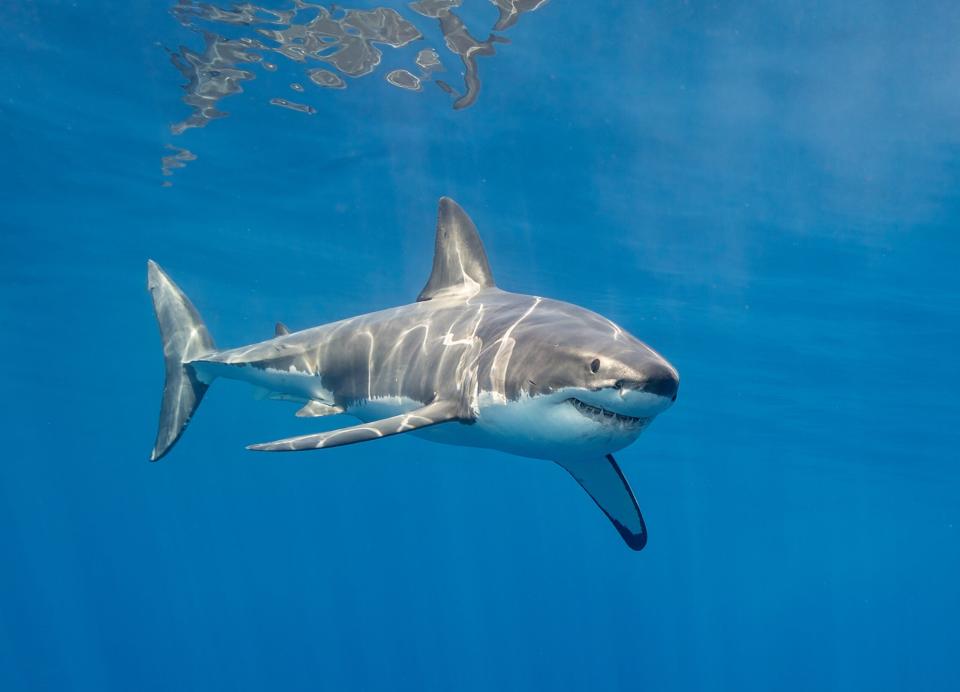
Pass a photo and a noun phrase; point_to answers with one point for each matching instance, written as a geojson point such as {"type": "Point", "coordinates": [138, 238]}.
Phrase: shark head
{"type": "Point", "coordinates": [624, 379]}
{"type": "Point", "coordinates": [573, 383]}
{"type": "Point", "coordinates": [576, 361]}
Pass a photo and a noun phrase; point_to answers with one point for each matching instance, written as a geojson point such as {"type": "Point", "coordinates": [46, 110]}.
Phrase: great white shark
{"type": "Point", "coordinates": [467, 364]}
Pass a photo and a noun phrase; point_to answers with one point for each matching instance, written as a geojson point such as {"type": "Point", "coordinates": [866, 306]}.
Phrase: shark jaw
{"type": "Point", "coordinates": [628, 407]}
{"type": "Point", "coordinates": [604, 417]}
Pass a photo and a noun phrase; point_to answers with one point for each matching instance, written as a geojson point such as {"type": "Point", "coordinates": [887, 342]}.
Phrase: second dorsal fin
{"type": "Point", "coordinates": [460, 264]}
{"type": "Point", "coordinates": [280, 329]}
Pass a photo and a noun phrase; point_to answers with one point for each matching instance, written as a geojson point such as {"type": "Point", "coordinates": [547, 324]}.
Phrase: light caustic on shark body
{"type": "Point", "coordinates": [467, 364]}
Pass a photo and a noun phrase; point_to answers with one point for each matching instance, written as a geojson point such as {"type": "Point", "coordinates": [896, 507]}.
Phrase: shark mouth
{"type": "Point", "coordinates": [603, 416]}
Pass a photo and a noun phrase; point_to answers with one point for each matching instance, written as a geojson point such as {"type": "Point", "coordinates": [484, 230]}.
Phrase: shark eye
{"type": "Point", "coordinates": [595, 366]}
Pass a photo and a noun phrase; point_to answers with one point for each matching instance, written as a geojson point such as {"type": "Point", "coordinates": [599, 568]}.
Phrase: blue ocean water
{"type": "Point", "coordinates": [767, 193]}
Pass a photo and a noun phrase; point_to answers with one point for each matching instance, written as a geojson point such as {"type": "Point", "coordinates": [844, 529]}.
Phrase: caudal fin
{"type": "Point", "coordinates": [185, 338]}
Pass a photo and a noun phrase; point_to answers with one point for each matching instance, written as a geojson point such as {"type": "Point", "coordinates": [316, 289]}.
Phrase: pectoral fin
{"type": "Point", "coordinates": [431, 414]}
{"type": "Point", "coordinates": [603, 480]}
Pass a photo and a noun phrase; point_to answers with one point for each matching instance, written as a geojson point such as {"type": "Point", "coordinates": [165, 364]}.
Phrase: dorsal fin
{"type": "Point", "coordinates": [459, 261]}
{"type": "Point", "coordinates": [280, 329]}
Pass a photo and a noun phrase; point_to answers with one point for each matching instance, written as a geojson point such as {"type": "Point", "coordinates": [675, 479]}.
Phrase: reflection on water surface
{"type": "Point", "coordinates": [349, 42]}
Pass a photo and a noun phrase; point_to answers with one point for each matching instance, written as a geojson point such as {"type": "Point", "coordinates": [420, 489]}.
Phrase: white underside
{"type": "Point", "coordinates": [544, 427]}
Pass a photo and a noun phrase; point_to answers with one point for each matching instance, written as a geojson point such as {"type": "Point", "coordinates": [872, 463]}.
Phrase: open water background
{"type": "Point", "coordinates": [767, 193]}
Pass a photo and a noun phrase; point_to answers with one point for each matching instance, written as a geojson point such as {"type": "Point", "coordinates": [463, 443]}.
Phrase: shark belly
{"type": "Point", "coordinates": [530, 426]}
{"type": "Point", "coordinates": [545, 428]}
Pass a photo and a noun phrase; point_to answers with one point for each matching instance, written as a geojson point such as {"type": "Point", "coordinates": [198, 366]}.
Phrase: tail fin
{"type": "Point", "coordinates": [185, 337]}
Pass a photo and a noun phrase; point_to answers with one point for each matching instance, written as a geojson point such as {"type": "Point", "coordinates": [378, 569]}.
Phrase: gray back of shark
{"type": "Point", "coordinates": [466, 364]}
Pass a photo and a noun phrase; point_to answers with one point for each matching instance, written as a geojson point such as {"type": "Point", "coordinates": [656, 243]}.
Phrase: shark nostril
{"type": "Point", "coordinates": [618, 384]}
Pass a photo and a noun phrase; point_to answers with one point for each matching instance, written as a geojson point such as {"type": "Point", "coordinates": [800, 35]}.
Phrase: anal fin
{"type": "Point", "coordinates": [605, 483]}
{"type": "Point", "coordinates": [431, 414]}
{"type": "Point", "coordinates": [317, 409]}
{"type": "Point", "coordinates": [280, 329]}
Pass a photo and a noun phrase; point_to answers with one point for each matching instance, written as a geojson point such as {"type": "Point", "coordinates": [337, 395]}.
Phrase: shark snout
{"type": "Point", "coordinates": [656, 378]}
